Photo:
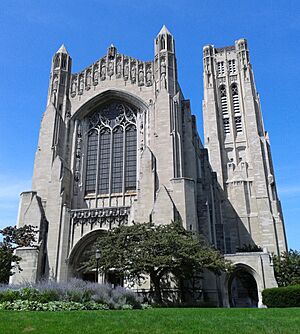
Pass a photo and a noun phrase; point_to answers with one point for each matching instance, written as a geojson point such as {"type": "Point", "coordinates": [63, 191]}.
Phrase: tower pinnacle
{"type": "Point", "coordinates": [164, 30]}
{"type": "Point", "coordinates": [62, 49]}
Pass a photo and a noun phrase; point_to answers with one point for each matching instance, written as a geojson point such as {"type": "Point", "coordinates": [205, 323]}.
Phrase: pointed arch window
{"type": "Point", "coordinates": [111, 163]}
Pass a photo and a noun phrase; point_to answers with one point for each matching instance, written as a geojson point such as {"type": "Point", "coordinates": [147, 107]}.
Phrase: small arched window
{"type": "Point", "coordinates": [56, 61]}
{"type": "Point", "coordinates": [162, 43]}
{"type": "Point", "coordinates": [64, 61]}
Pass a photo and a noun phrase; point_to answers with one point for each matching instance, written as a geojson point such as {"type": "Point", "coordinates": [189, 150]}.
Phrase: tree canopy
{"type": "Point", "coordinates": [13, 237]}
{"type": "Point", "coordinates": [156, 250]}
{"type": "Point", "coordinates": [287, 268]}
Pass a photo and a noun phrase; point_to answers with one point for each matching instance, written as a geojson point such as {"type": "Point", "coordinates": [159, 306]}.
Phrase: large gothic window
{"type": "Point", "coordinates": [111, 156]}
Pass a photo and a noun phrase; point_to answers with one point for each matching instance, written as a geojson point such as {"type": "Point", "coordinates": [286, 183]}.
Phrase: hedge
{"type": "Point", "coordinates": [282, 297]}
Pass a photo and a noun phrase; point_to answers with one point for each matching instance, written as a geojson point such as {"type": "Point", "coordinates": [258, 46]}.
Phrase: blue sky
{"type": "Point", "coordinates": [31, 32]}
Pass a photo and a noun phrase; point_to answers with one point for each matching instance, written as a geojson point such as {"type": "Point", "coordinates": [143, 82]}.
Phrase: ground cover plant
{"type": "Point", "coordinates": [73, 295]}
{"type": "Point", "coordinates": [158, 321]}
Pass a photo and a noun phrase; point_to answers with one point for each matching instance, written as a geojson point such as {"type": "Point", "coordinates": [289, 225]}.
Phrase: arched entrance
{"type": "Point", "coordinates": [80, 255]}
{"type": "Point", "coordinates": [79, 266]}
{"type": "Point", "coordinates": [242, 288]}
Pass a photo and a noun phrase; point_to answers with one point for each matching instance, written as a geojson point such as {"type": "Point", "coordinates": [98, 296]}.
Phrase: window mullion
{"type": "Point", "coordinates": [110, 166]}
{"type": "Point", "coordinates": [124, 163]}
{"type": "Point", "coordinates": [98, 166]}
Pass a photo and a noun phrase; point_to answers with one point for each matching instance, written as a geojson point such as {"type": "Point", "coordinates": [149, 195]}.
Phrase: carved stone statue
{"type": "Point", "coordinates": [148, 76]}
{"type": "Point", "coordinates": [103, 71]}
{"type": "Point", "coordinates": [96, 75]}
{"type": "Point", "coordinates": [81, 84]}
{"type": "Point", "coordinates": [119, 68]}
{"type": "Point", "coordinates": [133, 72]}
{"type": "Point", "coordinates": [55, 83]}
{"type": "Point", "coordinates": [141, 76]}
{"type": "Point", "coordinates": [73, 87]}
{"type": "Point", "coordinates": [88, 80]}
{"type": "Point", "coordinates": [110, 71]}
{"type": "Point", "coordinates": [163, 70]}
{"type": "Point", "coordinates": [126, 71]}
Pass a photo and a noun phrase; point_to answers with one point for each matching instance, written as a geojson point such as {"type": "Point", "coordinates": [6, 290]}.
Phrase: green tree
{"type": "Point", "coordinates": [287, 268]}
{"type": "Point", "coordinates": [147, 249]}
{"type": "Point", "coordinates": [13, 237]}
{"type": "Point", "coordinates": [248, 248]}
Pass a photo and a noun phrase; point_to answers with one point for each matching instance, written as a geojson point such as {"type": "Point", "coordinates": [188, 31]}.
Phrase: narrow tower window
{"type": "Point", "coordinates": [236, 108]}
{"type": "Point", "coordinates": [224, 108]}
{"type": "Point", "coordinates": [221, 68]}
{"type": "Point", "coordinates": [231, 65]}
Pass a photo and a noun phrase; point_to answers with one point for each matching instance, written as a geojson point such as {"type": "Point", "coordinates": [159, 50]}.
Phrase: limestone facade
{"type": "Point", "coordinates": [118, 143]}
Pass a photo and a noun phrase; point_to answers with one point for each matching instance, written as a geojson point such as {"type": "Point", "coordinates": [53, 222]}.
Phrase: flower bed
{"type": "Point", "coordinates": [68, 296]}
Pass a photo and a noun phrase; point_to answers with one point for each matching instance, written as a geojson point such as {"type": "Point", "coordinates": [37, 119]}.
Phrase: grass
{"type": "Point", "coordinates": [160, 320]}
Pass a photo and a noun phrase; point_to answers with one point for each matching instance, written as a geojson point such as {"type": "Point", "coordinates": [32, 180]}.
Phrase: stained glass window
{"type": "Point", "coordinates": [91, 167]}
{"type": "Point", "coordinates": [112, 153]}
{"type": "Point", "coordinates": [130, 158]}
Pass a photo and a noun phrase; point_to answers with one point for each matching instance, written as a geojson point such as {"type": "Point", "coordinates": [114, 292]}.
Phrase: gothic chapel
{"type": "Point", "coordinates": [118, 143]}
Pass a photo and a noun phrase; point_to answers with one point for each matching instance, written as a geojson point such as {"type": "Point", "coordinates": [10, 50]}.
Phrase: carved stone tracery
{"type": "Point", "coordinates": [107, 217]}
{"type": "Point", "coordinates": [112, 115]}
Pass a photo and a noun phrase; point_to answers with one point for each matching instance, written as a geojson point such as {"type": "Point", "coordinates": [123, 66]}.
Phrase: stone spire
{"type": "Point", "coordinates": [60, 78]}
{"type": "Point", "coordinates": [62, 49]}
{"type": "Point", "coordinates": [164, 31]}
{"type": "Point", "coordinates": [164, 41]}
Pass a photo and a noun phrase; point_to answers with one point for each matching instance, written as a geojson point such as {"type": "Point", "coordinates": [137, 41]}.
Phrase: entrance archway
{"type": "Point", "coordinates": [242, 288]}
{"type": "Point", "coordinates": [80, 255]}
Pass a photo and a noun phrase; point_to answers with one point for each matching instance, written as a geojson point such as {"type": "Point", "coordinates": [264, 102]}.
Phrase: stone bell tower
{"type": "Point", "coordinates": [239, 146]}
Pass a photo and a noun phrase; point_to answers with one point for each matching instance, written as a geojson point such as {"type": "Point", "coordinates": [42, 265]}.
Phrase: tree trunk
{"type": "Point", "coordinates": [155, 282]}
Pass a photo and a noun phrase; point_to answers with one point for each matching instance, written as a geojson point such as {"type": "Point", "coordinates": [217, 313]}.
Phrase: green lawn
{"type": "Point", "coordinates": [173, 320]}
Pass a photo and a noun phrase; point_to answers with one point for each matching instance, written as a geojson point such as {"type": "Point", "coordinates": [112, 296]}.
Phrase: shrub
{"type": "Point", "coordinates": [29, 293]}
{"type": "Point", "coordinates": [88, 295]}
{"type": "Point", "coordinates": [9, 295]}
{"type": "Point", "coordinates": [282, 297]}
